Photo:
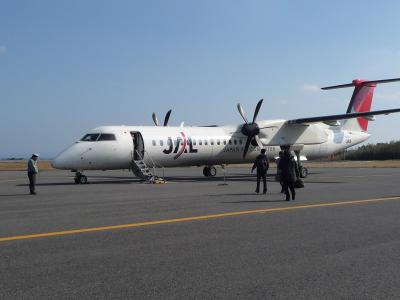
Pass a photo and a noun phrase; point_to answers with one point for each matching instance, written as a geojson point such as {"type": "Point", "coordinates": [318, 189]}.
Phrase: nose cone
{"type": "Point", "coordinates": [59, 162]}
{"type": "Point", "coordinates": [66, 160]}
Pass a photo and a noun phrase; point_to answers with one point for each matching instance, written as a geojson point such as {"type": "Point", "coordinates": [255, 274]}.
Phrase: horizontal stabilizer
{"type": "Point", "coordinates": [342, 116]}
{"type": "Point", "coordinates": [358, 82]}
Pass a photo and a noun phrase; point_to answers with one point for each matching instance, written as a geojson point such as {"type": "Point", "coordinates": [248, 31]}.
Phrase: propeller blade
{"type": "Point", "coordinates": [246, 147]}
{"type": "Point", "coordinates": [259, 143]}
{"type": "Point", "coordinates": [257, 110]}
{"type": "Point", "coordinates": [166, 119]}
{"type": "Point", "coordinates": [155, 120]}
{"type": "Point", "coordinates": [241, 112]}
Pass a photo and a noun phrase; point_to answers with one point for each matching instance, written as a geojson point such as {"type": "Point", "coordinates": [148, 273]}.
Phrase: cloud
{"type": "Point", "coordinates": [3, 50]}
{"type": "Point", "coordinates": [311, 88]}
{"type": "Point", "coordinates": [388, 96]}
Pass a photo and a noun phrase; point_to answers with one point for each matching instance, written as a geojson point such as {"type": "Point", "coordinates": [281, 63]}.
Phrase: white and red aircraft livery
{"type": "Point", "coordinates": [142, 147]}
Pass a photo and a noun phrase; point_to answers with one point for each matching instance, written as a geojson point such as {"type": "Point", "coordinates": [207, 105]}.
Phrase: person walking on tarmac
{"type": "Point", "coordinates": [262, 165]}
{"type": "Point", "coordinates": [32, 172]}
{"type": "Point", "coordinates": [289, 173]}
{"type": "Point", "coordinates": [278, 171]}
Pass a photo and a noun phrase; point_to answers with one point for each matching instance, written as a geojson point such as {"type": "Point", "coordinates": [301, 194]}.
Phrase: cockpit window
{"type": "Point", "coordinates": [106, 137]}
{"type": "Point", "coordinates": [90, 137]}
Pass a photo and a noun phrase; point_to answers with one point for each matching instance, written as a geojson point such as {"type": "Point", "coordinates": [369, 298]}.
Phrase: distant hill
{"type": "Point", "coordinates": [13, 158]}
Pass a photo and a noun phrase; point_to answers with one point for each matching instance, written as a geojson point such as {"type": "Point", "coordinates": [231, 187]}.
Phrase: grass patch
{"type": "Point", "coordinates": [21, 165]}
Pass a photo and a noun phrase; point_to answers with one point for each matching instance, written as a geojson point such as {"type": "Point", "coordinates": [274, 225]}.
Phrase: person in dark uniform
{"type": "Point", "coordinates": [32, 172]}
{"type": "Point", "coordinates": [262, 165]}
{"type": "Point", "coordinates": [278, 171]}
{"type": "Point", "coordinates": [289, 173]}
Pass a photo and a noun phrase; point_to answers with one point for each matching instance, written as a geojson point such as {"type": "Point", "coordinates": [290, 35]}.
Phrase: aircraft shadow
{"type": "Point", "coordinates": [15, 195]}
{"type": "Point", "coordinates": [213, 179]}
{"type": "Point", "coordinates": [254, 201]}
{"type": "Point", "coordinates": [89, 182]}
{"type": "Point", "coordinates": [314, 181]}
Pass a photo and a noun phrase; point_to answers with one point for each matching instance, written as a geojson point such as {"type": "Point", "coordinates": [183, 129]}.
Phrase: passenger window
{"type": "Point", "coordinates": [212, 142]}
{"type": "Point", "coordinates": [205, 142]}
{"type": "Point", "coordinates": [235, 142]}
{"type": "Point", "coordinates": [218, 142]}
{"type": "Point", "coordinates": [106, 137]}
{"type": "Point", "coordinates": [230, 142]}
{"type": "Point", "coordinates": [240, 142]}
{"type": "Point", "coordinates": [161, 143]}
{"type": "Point", "coordinates": [200, 142]}
{"type": "Point", "coordinates": [169, 142]}
{"type": "Point", "coordinates": [224, 142]}
{"type": "Point", "coordinates": [194, 142]}
{"type": "Point", "coordinates": [154, 142]}
{"type": "Point", "coordinates": [91, 137]}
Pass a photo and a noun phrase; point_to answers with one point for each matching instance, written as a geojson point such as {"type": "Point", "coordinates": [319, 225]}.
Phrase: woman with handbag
{"type": "Point", "coordinates": [287, 167]}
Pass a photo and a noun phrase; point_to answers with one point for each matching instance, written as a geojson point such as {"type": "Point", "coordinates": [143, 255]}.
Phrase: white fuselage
{"type": "Point", "coordinates": [197, 146]}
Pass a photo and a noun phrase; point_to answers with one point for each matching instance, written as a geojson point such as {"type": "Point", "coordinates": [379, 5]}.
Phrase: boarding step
{"type": "Point", "coordinates": [141, 171]}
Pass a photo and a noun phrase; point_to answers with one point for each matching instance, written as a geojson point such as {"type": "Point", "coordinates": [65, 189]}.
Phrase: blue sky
{"type": "Point", "coordinates": [69, 66]}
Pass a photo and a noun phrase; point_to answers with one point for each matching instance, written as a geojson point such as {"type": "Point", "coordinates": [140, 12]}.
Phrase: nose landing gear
{"type": "Point", "coordinates": [80, 178]}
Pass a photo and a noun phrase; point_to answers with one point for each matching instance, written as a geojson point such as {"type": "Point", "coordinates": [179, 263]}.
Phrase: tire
{"type": "Point", "coordinates": [212, 171]}
{"type": "Point", "coordinates": [303, 172]}
{"type": "Point", "coordinates": [83, 179]}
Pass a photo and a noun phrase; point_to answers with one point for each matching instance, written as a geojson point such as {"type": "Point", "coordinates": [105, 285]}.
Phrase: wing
{"type": "Point", "coordinates": [332, 118]}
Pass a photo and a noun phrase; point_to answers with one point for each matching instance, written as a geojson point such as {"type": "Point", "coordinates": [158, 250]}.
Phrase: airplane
{"type": "Point", "coordinates": [142, 148]}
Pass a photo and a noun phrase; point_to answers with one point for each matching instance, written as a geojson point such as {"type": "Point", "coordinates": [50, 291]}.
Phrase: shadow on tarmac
{"type": "Point", "coordinates": [90, 183]}
{"type": "Point", "coordinates": [256, 201]}
{"type": "Point", "coordinates": [15, 195]}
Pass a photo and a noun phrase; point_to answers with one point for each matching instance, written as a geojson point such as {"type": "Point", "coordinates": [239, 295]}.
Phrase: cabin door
{"type": "Point", "coordinates": [138, 145]}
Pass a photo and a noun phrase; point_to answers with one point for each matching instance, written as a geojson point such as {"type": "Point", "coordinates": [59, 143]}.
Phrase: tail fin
{"type": "Point", "coordinates": [361, 101]}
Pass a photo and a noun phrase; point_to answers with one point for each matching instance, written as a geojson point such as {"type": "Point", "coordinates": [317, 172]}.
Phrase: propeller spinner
{"type": "Point", "coordinates": [251, 130]}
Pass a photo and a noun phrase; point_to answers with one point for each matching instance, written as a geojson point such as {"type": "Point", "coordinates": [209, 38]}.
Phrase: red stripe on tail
{"type": "Point", "coordinates": [361, 100]}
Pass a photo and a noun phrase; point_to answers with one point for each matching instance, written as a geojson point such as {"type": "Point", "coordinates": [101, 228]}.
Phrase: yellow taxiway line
{"type": "Point", "coordinates": [195, 218]}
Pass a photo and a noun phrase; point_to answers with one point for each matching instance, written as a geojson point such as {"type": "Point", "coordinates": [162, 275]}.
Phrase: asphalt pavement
{"type": "Point", "coordinates": [196, 238]}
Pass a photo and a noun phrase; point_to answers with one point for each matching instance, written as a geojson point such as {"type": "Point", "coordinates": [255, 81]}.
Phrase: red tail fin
{"type": "Point", "coordinates": [361, 100]}
{"type": "Point", "coordinates": [362, 97]}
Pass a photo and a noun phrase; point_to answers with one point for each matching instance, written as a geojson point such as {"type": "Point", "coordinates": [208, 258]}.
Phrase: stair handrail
{"type": "Point", "coordinates": [154, 163]}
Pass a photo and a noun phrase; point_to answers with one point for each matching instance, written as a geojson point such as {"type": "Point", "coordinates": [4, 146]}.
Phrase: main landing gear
{"type": "Point", "coordinates": [80, 178]}
{"type": "Point", "coordinates": [209, 171]}
{"type": "Point", "coordinates": [302, 170]}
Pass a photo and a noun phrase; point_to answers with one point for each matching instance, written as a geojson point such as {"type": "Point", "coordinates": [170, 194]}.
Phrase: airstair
{"type": "Point", "coordinates": [140, 169]}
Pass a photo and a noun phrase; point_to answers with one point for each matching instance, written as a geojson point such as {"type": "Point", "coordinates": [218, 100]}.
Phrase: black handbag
{"type": "Point", "coordinates": [298, 184]}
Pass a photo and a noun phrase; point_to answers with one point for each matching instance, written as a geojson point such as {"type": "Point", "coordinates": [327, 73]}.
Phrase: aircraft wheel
{"type": "Point", "coordinates": [206, 171]}
{"type": "Point", "coordinates": [213, 171]}
{"type": "Point", "coordinates": [83, 179]}
{"type": "Point", "coordinates": [76, 180]}
{"type": "Point", "coordinates": [303, 172]}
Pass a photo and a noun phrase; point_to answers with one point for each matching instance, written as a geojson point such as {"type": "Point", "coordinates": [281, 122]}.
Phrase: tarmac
{"type": "Point", "coordinates": [196, 238]}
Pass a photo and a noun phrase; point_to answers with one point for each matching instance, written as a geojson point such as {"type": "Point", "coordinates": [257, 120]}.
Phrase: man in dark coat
{"type": "Point", "coordinates": [288, 174]}
{"type": "Point", "coordinates": [278, 171]}
{"type": "Point", "coordinates": [32, 172]}
{"type": "Point", "coordinates": [262, 165]}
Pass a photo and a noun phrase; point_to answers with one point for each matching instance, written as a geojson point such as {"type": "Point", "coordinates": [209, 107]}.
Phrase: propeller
{"type": "Point", "coordinates": [166, 119]}
{"type": "Point", "coordinates": [251, 130]}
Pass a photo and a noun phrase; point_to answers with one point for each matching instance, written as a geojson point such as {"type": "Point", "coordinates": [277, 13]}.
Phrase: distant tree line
{"type": "Point", "coordinates": [14, 158]}
{"type": "Point", "coordinates": [380, 151]}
